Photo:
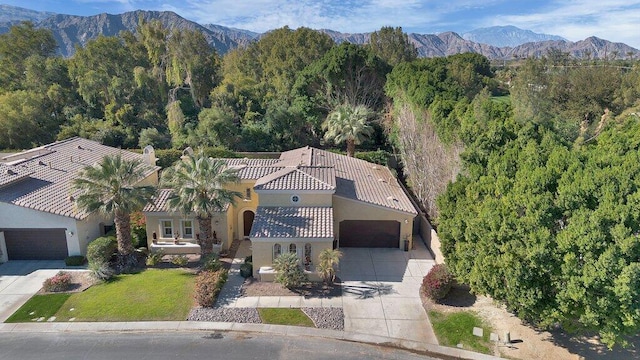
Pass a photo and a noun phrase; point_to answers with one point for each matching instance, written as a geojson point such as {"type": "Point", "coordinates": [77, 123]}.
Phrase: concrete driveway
{"type": "Point", "coordinates": [21, 279]}
{"type": "Point", "coordinates": [380, 294]}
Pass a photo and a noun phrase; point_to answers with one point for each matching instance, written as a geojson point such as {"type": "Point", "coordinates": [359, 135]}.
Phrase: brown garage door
{"type": "Point", "coordinates": [370, 233]}
{"type": "Point", "coordinates": [36, 244]}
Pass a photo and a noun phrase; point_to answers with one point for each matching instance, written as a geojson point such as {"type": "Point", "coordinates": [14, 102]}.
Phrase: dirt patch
{"type": "Point", "coordinates": [253, 287]}
{"type": "Point", "coordinates": [526, 342]}
{"type": "Point", "coordinates": [80, 281]}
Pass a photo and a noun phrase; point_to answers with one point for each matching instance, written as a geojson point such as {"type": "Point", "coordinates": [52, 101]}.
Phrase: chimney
{"type": "Point", "coordinates": [149, 155]}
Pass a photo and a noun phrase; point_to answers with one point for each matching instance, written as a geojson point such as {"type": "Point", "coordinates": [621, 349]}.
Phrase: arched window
{"type": "Point", "coordinates": [292, 248]}
{"type": "Point", "coordinates": [277, 250]}
{"type": "Point", "coordinates": [307, 256]}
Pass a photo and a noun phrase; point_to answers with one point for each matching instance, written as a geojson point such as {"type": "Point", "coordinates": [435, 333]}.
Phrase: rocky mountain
{"type": "Point", "coordinates": [503, 36]}
{"type": "Point", "coordinates": [70, 30]}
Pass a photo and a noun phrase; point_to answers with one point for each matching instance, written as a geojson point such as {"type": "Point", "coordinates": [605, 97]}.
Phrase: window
{"type": "Point", "coordinates": [295, 199]}
{"type": "Point", "coordinates": [187, 229]}
{"type": "Point", "coordinates": [307, 257]}
{"type": "Point", "coordinates": [277, 250]}
{"type": "Point", "coordinates": [167, 228]}
{"type": "Point", "coordinates": [247, 194]}
{"type": "Point", "coordinates": [292, 248]}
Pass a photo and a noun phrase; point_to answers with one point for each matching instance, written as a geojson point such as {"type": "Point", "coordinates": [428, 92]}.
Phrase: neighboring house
{"type": "Point", "coordinates": [305, 201]}
{"type": "Point", "coordinates": [39, 218]}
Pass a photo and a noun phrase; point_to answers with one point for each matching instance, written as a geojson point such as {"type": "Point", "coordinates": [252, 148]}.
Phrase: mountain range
{"type": "Point", "coordinates": [499, 42]}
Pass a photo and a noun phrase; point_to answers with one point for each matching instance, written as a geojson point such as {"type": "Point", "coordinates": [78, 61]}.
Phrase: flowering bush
{"type": "Point", "coordinates": [208, 285]}
{"type": "Point", "coordinates": [437, 283]}
{"type": "Point", "coordinates": [60, 282]}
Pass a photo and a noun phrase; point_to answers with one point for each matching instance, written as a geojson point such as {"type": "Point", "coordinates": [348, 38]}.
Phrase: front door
{"type": "Point", "coordinates": [247, 219]}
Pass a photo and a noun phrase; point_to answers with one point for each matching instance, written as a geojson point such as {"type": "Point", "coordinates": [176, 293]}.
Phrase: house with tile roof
{"type": "Point", "coordinates": [39, 218]}
{"type": "Point", "coordinates": [305, 201]}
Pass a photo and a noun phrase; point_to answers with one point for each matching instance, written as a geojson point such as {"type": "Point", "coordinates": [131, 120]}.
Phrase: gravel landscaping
{"type": "Point", "coordinates": [239, 315]}
{"type": "Point", "coordinates": [326, 318]}
{"type": "Point", "coordinates": [323, 318]}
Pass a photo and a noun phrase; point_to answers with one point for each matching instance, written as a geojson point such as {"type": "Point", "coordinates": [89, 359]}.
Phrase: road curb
{"type": "Point", "coordinates": [203, 326]}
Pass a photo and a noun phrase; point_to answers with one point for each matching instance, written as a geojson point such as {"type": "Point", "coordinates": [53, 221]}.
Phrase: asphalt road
{"type": "Point", "coordinates": [186, 345]}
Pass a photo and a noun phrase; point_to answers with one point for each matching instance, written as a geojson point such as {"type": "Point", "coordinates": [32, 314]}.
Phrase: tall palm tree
{"type": "Point", "coordinates": [198, 184]}
{"type": "Point", "coordinates": [109, 187]}
{"type": "Point", "coordinates": [348, 123]}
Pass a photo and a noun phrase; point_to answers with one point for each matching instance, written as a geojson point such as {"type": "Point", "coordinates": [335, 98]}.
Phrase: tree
{"type": "Point", "coordinates": [348, 123]}
{"type": "Point", "coordinates": [329, 260]}
{"type": "Point", "coordinates": [198, 183]}
{"type": "Point", "coordinates": [24, 121]}
{"type": "Point", "coordinates": [392, 45]}
{"type": "Point", "coordinates": [110, 187]}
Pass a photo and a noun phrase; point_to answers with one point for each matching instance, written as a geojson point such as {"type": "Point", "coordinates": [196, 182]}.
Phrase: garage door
{"type": "Point", "coordinates": [36, 244]}
{"type": "Point", "coordinates": [370, 233]}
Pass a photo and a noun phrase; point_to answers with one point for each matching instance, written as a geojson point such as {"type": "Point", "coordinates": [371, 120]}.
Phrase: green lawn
{"type": "Point", "coordinates": [153, 294]}
{"type": "Point", "coordinates": [457, 328]}
{"type": "Point", "coordinates": [39, 306]}
{"type": "Point", "coordinates": [284, 316]}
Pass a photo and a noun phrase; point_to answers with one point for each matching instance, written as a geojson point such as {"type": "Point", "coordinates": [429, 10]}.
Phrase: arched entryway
{"type": "Point", "coordinates": [247, 221]}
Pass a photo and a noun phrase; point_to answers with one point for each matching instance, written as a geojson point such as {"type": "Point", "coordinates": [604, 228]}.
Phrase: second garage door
{"type": "Point", "coordinates": [370, 233]}
{"type": "Point", "coordinates": [36, 244]}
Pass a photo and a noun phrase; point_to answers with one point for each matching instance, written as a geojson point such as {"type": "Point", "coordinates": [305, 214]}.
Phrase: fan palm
{"type": "Point", "coordinates": [109, 187]}
{"type": "Point", "coordinates": [198, 184]}
{"type": "Point", "coordinates": [329, 259]}
{"type": "Point", "coordinates": [348, 123]}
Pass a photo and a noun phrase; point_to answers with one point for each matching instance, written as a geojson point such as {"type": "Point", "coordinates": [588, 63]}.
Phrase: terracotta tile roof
{"type": "Point", "coordinates": [160, 202]}
{"type": "Point", "coordinates": [355, 179]}
{"type": "Point", "coordinates": [293, 222]}
{"type": "Point", "coordinates": [10, 174]}
{"type": "Point", "coordinates": [252, 169]}
{"type": "Point", "coordinates": [298, 178]}
{"type": "Point", "coordinates": [53, 168]}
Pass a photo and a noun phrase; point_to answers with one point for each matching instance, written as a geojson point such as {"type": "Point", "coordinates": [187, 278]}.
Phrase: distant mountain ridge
{"type": "Point", "coordinates": [72, 30]}
{"type": "Point", "coordinates": [502, 36]}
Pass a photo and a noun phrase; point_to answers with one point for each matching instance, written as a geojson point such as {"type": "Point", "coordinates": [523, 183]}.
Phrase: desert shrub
{"type": "Point", "coordinates": [329, 260]}
{"type": "Point", "coordinates": [138, 230]}
{"type": "Point", "coordinates": [75, 260]}
{"type": "Point", "coordinates": [154, 258]}
{"type": "Point", "coordinates": [59, 282]}
{"type": "Point", "coordinates": [211, 262]}
{"type": "Point", "coordinates": [101, 270]}
{"type": "Point", "coordinates": [101, 249]}
{"type": "Point", "coordinates": [208, 285]}
{"type": "Point", "coordinates": [180, 260]}
{"type": "Point", "coordinates": [246, 270]}
{"type": "Point", "coordinates": [437, 283]}
{"type": "Point", "coordinates": [290, 273]}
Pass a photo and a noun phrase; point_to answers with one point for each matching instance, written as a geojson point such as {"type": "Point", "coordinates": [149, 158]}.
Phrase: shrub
{"type": "Point", "coordinates": [208, 285]}
{"type": "Point", "coordinates": [180, 260]}
{"type": "Point", "coordinates": [101, 270]}
{"type": "Point", "coordinates": [101, 249]}
{"type": "Point", "coordinates": [154, 258]}
{"type": "Point", "coordinates": [248, 259]}
{"type": "Point", "coordinates": [246, 270]}
{"type": "Point", "coordinates": [437, 283]}
{"type": "Point", "coordinates": [60, 282]}
{"type": "Point", "coordinates": [75, 260]}
{"type": "Point", "coordinates": [290, 273]}
{"type": "Point", "coordinates": [211, 262]}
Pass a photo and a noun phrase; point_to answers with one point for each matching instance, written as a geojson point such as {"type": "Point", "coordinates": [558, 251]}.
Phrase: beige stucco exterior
{"type": "Point", "coordinates": [154, 225]}
{"type": "Point", "coordinates": [262, 252]}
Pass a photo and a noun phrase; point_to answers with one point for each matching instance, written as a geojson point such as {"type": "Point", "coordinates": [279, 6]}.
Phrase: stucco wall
{"type": "Point", "coordinates": [271, 199]}
{"type": "Point", "coordinates": [18, 217]}
{"type": "Point", "coordinates": [236, 223]}
{"type": "Point", "coordinates": [89, 230]}
{"type": "Point", "coordinates": [262, 250]}
{"type": "Point", "coordinates": [346, 209]}
{"type": "Point", "coordinates": [218, 224]}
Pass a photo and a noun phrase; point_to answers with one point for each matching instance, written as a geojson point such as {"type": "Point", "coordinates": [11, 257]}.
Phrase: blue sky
{"type": "Point", "coordinates": [615, 20]}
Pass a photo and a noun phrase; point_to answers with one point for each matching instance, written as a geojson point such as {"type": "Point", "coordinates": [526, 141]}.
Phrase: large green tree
{"type": "Point", "coordinates": [348, 124]}
{"type": "Point", "coordinates": [111, 187]}
{"type": "Point", "coordinates": [392, 45]}
{"type": "Point", "coordinates": [199, 187]}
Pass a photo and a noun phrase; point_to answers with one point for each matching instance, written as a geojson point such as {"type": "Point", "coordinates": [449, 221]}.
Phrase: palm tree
{"type": "Point", "coordinates": [198, 188]}
{"type": "Point", "coordinates": [329, 259]}
{"type": "Point", "coordinates": [348, 123]}
{"type": "Point", "coordinates": [109, 187]}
